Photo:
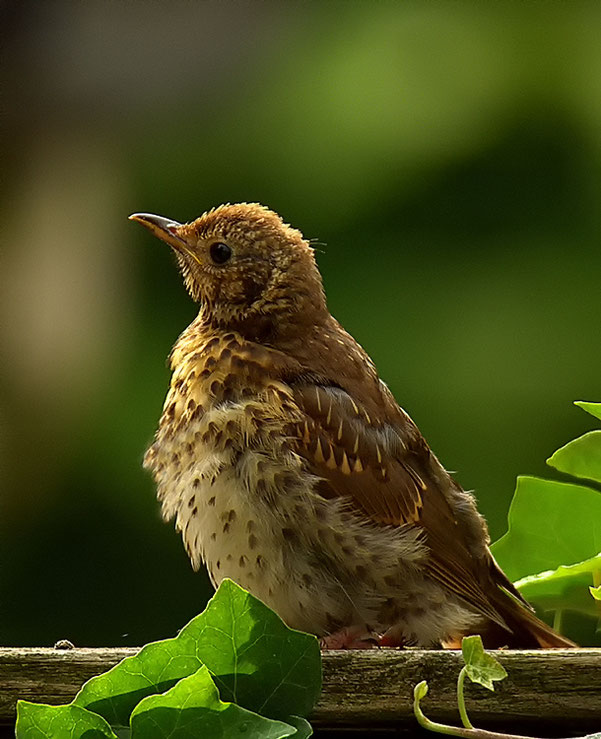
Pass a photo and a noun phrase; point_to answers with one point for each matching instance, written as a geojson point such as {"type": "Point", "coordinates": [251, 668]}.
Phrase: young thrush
{"type": "Point", "coordinates": [289, 467]}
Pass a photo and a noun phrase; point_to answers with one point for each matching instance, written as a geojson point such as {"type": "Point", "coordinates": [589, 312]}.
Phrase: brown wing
{"type": "Point", "coordinates": [388, 474]}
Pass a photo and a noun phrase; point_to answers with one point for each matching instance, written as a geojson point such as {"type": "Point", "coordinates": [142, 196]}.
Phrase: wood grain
{"type": "Point", "coordinates": [558, 691]}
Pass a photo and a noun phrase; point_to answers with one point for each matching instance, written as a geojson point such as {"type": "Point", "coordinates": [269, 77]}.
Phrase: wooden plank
{"type": "Point", "coordinates": [559, 690]}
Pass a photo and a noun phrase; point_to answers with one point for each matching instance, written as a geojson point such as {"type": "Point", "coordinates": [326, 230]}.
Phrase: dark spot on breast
{"type": "Point", "coordinates": [226, 528]}
{"type": "Point", "coordinates": [391, 581]}
{"type": "Point", "coordinates": [289, 534]}
{"type": "Point", "coordinates": [210, 362]}
{"type": "Point", "coordinates": [231, 428]}
{"type": "Point", "coordinates": [198, 411]}
{"type": "Point", "coordinates": [231, 515]}
{"type": "Point", "coordinates": [226, 353]}
{"type": "Point", "coordinates": [194, 511]}
{"type": "Point", "coordinates": [191, 405]}
{"type": "Point", "coordinates": [242, 561]}
{"type": "Point", "coordinates": [250, 525]}
{"type": "Point", "coordinates": [331, 622]}
{"type": "Point", "coordinates": [215, 387]}
{"type": "Point", "coordinates": [252, 541]}
{"type": "Point", "coordinates": [260, 561]}
{"type": "Point", "coordinates": [218, 564]}
{"type": "Point", "coordinates": [213, 536]}
{"type": "Point", "coordinates": [191, 501]}
{"type": "Point", "coordinates": [227, 393]}
{"type": "Point", "coordinates": [195, 484]}
{"type": "Point", "coordinates": [307, 580]}
{"type": "Point", "coordinates": [212, 500]}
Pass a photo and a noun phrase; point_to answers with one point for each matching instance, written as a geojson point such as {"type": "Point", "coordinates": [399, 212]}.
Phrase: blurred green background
{"type": "Point", "coordinates": [447, 156]}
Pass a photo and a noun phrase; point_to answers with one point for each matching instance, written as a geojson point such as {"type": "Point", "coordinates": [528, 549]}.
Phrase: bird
{"type": "Point", "coordinates": [289, 467]}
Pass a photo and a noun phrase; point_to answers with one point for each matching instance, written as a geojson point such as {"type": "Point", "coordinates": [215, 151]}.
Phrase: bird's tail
{"type": "Point", "coordinates": [526, 630]}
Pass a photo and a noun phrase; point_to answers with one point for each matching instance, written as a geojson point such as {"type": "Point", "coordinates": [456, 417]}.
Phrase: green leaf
{"type": "Point", "coordinates": [595, 592]}
{"type": "Point", "coordinates": [303, 728]}
{"type": "Point", "coordinates": [593, 408]}
{"type": "Point", "coordinates": [550, 524]}
{"type": "Point", "coordinates": [565, 588]}
{"type": "Point", "coordinates": [36, 720]}
{"type": "Point", "coordinates": [481, 667]}
{"type": "Point", "coordinates": [192, 708]}
{"type": "Point", "coordinates": [580, 457]}
{"type": "Point", "coordinates": [255, 659]}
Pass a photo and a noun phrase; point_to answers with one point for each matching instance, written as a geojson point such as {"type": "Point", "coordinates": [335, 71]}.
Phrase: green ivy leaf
{"type": "Point", "coordinates": [595, 592]}
{"type": "Point", "coordinates": [39, 721]}
{"type": "Point", "coordinates": [565, 588]}
{"type": "Point", "coordinates": [192, 708]}
{"type": "Point", "coordinates": [550, 524]}
{"type": "Point", "coordinates": [481, 667]}
{"type": "Point", "coordinates": [303, 728]}
{"type": "Point", "coordinates": [580, 457]}
{"type": "Point", "coordinates": [593, 408]}
{"type": "Point", "coordinates": [255, 659]}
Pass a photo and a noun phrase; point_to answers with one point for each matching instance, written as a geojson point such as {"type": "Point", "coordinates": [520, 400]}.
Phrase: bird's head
{"type": "Point", "coordinates": [244, 265]}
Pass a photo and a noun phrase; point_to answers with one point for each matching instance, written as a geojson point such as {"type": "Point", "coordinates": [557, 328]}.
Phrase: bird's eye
{"type": "Point", "coordinates": [220, 252]}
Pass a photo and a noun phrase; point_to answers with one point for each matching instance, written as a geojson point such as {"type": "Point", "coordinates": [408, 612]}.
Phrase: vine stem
{"type": "Point", "coordinates": [461, 700]}
{"type": "Point", "coordinates": [425, 722]}
{"type": "Point", "coordinates": [557, 620]}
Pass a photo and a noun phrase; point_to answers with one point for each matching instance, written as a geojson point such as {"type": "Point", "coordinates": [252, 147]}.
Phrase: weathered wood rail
{"type": "Point", "coordinates": [547, 694]}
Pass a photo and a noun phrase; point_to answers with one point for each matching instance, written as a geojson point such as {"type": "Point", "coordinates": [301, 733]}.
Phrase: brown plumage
{"type": "Point", "coordinates": [289, 467]}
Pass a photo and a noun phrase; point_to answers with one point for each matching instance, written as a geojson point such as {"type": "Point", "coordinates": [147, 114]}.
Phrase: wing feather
{"type": "Point", "coordinates": [393, 480]}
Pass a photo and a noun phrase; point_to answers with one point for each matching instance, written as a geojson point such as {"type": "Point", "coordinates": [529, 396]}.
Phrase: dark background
{"type": "Point", "coordinates": [446, 153]}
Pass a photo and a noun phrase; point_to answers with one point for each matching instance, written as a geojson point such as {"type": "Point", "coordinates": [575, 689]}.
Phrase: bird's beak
{"type": "Point", "coordinates": [163, 228]}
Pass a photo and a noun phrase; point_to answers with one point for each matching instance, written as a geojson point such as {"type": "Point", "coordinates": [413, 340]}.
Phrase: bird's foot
{"type": "Point", "coordinates": [350, 638]}
{"type": "Point", "coordinates": [391, 639]}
